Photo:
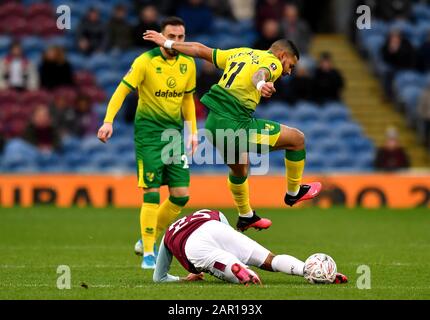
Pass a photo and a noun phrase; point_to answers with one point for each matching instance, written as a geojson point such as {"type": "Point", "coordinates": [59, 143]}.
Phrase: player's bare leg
{"type": "Point", "coordinates": [293, 142]}
{"type": "Point", "coordinates": [238, 185]}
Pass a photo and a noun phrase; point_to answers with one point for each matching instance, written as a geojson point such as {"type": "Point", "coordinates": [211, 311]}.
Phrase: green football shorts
{"type": "Point", "coordinates": [239, 136]}
{"type": "Point", "coordinates": [153, 170]}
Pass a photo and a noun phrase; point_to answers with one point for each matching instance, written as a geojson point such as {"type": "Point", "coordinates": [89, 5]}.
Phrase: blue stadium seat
{"type": "Point", "coordinates": [46, 161]}
{"type": "Point", "coordinates": [341, 161]}
{"type": "Point", "coordinates": [408, 78]}
{"type": "Point", "coordinates": [314, 161]}
{"type": "Point", "coordinates": [307, 113]}
{"type": "Point", "coordinates": [100, 62]}
{"type": "Point", "coordinates": [360, 145]}
{"type": "Point", "coordinates": [92, 146]}
{"type": "Point", "coordinates": [348, 131]}
{"type": "Point", "coordinates": [334, 113]}
{"type": "Point", "coordinates": [75, 160]}
{"type": "Point", "coordinates": [364, 160]}
{"type": "Point", "coordinates": [107, 78]}
{"type": "Point", "coordinates": [19, 147]}
{"type": "Point", "coordinates": [373, 44]}
{"type": "Point", "coordinates": [330, 146]}
{"type": "Point", "coordinates": [317, 132]}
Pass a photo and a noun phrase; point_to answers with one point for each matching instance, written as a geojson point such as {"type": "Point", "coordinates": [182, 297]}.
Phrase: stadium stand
{"type": "Point", "coordinates": [97, 75]}
{"type": "Point", "coordinates": [407, 85]}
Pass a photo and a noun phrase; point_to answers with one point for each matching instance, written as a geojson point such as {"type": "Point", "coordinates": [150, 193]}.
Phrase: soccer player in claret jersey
{"type": "Point", "coordinates": [165, 80]}
{"type": "Point", "coordinates": [250, 74]}
{"type": "Point", "coordinates": [205, 242]}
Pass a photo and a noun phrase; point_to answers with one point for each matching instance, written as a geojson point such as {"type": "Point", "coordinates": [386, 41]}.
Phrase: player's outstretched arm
{"type": "Point", "coordinates": [193, 49]}
{"type": "Point", "coordinates": [115, 103]}
{"type": "Point", "coordinates": [162, 267]}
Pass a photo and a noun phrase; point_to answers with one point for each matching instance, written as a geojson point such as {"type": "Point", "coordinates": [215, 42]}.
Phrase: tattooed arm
{"type": "Point", "coordinates": [259, 80]}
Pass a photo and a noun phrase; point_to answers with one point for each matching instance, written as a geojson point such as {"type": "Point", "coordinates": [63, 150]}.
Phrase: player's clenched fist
{"type": "Point", "coordinates": [105, 132]}
{"type": "Point", "coordinates": [154, 36]}
{"type": "Point", "coordinates": [267, 89]}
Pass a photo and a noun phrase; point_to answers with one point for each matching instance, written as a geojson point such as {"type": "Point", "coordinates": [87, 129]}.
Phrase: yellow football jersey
{"type": "Point", "coordinates": [235, 92]}
{"type": "Point", "coordinates": [161, 84]}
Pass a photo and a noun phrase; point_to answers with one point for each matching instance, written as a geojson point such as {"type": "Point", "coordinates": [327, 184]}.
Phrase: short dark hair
{"type": "Point", "coordinates": [294, 49]}
{"type": "Point", "coordinates": [172, 21]}
{"type": "Point", "coordinates": [288, 45]}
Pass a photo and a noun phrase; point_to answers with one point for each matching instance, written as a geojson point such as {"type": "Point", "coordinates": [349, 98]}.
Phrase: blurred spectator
{"type": "Point", "coordinates": [296, 29]}
{"type": "Point", "coordinates": [398, 52]}
{"type": "Point", "coordinates": [267, 9]}
{"type": "Point", "coordinates": [222, 8]}
{"type": "Point", "coordinates": [300, 86]}
{"type": "Point", "coordinates": [86, 119]}
{"type": "Point", "coordinates": [424, 55]}
{"type": "Point", "coordinates": [424, 114]}
{"type": "Point", "coordinates": [16, 71]}
{"type": "Point", "coordinates": [91, 33]}
{"type": "Point", "coordinates": [197, 15]}
{"type": "Point", "coordinates": [208, 76]}
{"type": "Point", "coordinates": [64, 116]}
{"type": "Point", "coordinates": [119, 31]}
{"type": "Point", "coordinates": [327, 80]}
{"type": "Point", "coordinates": [148, 20]}
{"type": "Point", "coordinates": [269, 34]}
{"type": "Point", "coordinates": [55, 70]}
{"type": "Point", "coordinates": [41, 131]}
{"type": "Point", "coordinates": [393, 9]}
{"type": "Point", "coordinates": [391, 156]}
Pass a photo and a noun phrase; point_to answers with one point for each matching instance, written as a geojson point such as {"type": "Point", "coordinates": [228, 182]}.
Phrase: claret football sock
{"type": "Point", "coordinates": [240, 190]}
{"type": "Point", "coordinates": [148, 220]}
{"type": "Point", "coordinates": [168, 212]}
{"type": "Point", "coordinates": [288, 264]}
{"type": "Point", "coordinates": [294, 165]}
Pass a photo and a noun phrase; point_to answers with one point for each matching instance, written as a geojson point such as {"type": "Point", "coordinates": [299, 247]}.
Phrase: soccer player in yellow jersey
{"type": "Point", "coordinates": [250, 74]}
{"type": "Point", "coordinates": [165, 80]}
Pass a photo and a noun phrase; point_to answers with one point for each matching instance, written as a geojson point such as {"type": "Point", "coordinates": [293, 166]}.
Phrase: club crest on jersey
{"type": "Point", "coordinates": [183, 68]}
{"type": "Point", "coordinates": [150, 176]}
{"type": "Point", "coordinates": [171, 82]}
{"type": "Point", "coordinates": [269, 127]}
{"type": "Point", "coordinates": [273, 67]}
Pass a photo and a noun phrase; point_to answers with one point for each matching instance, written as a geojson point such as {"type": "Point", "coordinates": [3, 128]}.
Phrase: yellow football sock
{"type": "Point", "coordinates": [168, 211]}
{"type": "Point", "coordinates": [294, 165]}
{"type": "Point", "coordinates": [148, 220]}
{"type": "Point", "coordinates": [240, 190]}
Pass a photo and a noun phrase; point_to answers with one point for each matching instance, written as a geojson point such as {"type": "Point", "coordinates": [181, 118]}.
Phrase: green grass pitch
{"type": "Point", "coordinates": [97, 245]}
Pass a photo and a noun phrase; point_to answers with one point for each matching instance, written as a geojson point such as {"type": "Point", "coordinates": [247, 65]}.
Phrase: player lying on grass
{"type": "Point", "coordinates": [205, 242]}
{"type": "Point", "coordinates": [249, 74]}
{"type": "Point", "coordinates": [165, 81]}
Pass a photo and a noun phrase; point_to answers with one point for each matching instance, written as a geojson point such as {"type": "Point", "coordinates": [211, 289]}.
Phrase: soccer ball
{"type": "Point", "coordinates": [320, 268]}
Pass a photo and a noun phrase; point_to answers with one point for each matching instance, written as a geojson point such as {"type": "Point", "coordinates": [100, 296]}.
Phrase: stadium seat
{"type": "Point", "coordinates": [306, 113]}
{"type": "Point", "coordinates": [348, 131]}
{"type": "Point", "coordinates": [31, 44]}
{"type": "Point", "coordinates": [334, 113]}
{"type": "Point", "coordinates": [40, 9]}
{"type": "Point", "coordinates": [68, 93]}
{"type": "Point", "coordinates": [84, 78]}
{"type": "Point", "coordinates": [12, 9]}
{"type": "Point", "coordinates": [15, 26]}
{"type": "Point", "coordinates": [8, 96]}
{"type": "Point", "coordinates": [91, 146]}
